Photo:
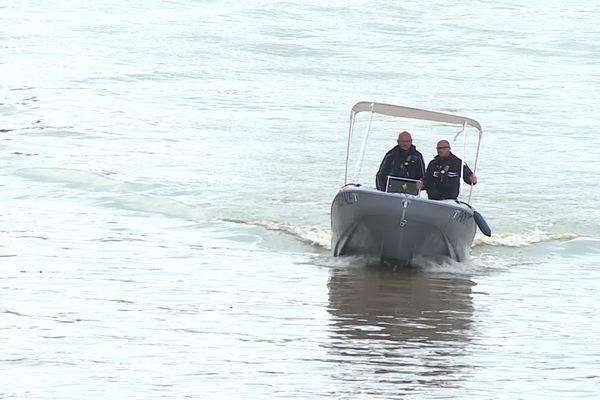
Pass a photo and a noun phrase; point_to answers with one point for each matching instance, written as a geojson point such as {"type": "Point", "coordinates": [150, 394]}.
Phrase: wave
{"type": "Point", "coordinates": [322, 237]}
{"type": "Point", "coordinates": [319, 237]}
{"type": "Point", "coordinates": [521, 239]}
{"type": "Point", "coordinates": [117, 193]}
{"type": "Point", "coordinates": [138, 197]}
{"type": "Point", "coordinates": [310, 235]}
{"type": "Point", "coordinates": [83, 180]}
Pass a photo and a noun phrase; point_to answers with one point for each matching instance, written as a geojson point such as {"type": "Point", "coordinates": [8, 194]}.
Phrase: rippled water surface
{"type": "Point", "coordinates": [168, 170]}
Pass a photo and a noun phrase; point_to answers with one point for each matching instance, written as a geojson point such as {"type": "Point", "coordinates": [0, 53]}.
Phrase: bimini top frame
{"type": "Point", "coordinates": [410, 113]}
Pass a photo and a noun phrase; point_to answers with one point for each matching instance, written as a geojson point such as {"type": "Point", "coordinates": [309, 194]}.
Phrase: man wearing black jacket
{"type": "Point", "coordinates": [403, 161]}
{"type": "Point", "coordinates": [442, 178]}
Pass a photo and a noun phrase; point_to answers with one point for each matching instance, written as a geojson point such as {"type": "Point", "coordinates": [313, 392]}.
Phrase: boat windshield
{"type": "Point", "coordinates": [401, 185]}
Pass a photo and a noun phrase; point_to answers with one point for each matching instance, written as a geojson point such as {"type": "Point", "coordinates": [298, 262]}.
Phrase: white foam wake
{"type": "Point", "coordinates": [311, 235]}
{"type": "Point", "coordinates": [316, 236]}
{"type": "Point", "coordinates": [521, 239]}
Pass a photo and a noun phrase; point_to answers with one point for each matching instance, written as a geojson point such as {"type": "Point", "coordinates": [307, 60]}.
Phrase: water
{"type": "Point", "coordinates": [168, 173]}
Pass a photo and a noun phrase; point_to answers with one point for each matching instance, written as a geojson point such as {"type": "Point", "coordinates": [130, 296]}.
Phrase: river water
{"type": "Point", "coordinates": [167, 174]}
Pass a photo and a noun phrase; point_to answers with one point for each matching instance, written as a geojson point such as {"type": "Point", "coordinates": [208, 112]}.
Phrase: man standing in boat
{"type": "Point", "coordinates": [442, 178]}
{"type": "Point", "coordinates": [403, 161]}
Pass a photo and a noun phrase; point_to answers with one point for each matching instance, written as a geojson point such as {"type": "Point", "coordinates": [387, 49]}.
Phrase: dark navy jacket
{"type": "Point", "coordinates": [442, 178]}
{"type": "Point", "coordinates": [404, 164]}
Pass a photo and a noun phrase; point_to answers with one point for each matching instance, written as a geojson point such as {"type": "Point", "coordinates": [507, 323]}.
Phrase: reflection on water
{"type": "Point", "coordinates": [407, 326]}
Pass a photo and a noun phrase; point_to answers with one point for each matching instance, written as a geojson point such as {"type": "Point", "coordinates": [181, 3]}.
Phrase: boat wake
{"type": "Point", "coordinates": [436, 265]}
{"type": "Point", "coordinates": [321, 238]}
{"type": "Point", "coordinates": [310, 235]}
{"type": "Point", "coordinates": [139, 197]}
{"type": "Point", "coordinates": [521, 239]}
{"type": "Point", "coordinates": [117, 193]}
{"type": "Point", "coordinates": [440, 265]}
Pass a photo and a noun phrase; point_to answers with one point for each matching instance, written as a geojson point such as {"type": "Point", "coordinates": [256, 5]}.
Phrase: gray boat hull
{"type": "Point", "coordinates": [398, 226]}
